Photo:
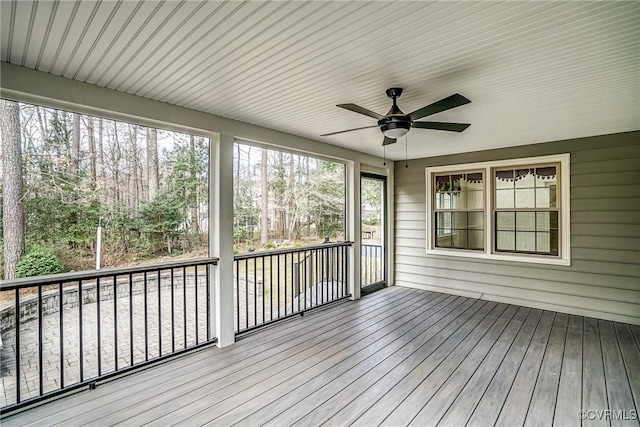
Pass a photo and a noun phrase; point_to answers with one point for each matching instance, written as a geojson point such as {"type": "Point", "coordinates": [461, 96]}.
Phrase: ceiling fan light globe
{"type": "Point", "coordinates": [395, 133]}
{"type": "Point", "coordinates": [395, 129]}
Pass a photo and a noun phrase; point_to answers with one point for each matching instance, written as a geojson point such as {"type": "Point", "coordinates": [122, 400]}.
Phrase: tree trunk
{"type": "Point", "coordinates": [12, 208]}
{"type": "Point", "coordinates": [132, 161]}
{"type": "Point", "coordinates": [264, 199]}
{"type": "Point", "coordinates": [291, 219]}
{"type": "Point", "coordinates": [100, 152]}
{"type": "Point", "coordinates": [193, 197]}
{"type": "Point", "coordinates": [92, 149]}
{"type": "Point", "coordinates": [75, 145]}
{"type": "Point", "coordinates": [152, 170]}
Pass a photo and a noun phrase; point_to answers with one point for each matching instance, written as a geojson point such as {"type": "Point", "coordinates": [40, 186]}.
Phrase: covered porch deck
{"type": "Point", "coordinates": [399, 356]}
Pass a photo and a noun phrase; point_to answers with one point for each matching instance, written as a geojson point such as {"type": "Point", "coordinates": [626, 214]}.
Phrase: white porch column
{"type": "Point", "coordinates": [221, 238]}
{"type": "Point", "coordinates": [354, 230]}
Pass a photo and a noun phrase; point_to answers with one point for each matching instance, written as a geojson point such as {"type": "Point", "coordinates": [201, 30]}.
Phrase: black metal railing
{"type": "Point", "coordinates": [372, 265]}
{"type": "Point", "coordinates": [65, 331]}
{"type": "Point", "coordinates": [272, 285]}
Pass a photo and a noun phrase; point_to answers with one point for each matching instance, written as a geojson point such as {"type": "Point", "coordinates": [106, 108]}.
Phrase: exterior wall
{"type": "Point", "coordinates": [603, 279]}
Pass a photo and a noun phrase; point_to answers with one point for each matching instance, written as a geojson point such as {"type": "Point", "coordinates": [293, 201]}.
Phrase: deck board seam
{"type": "Point", "coordinates": [544, 355]}
{"type": "Point", "coordinates": [604, 370]}
{"type": "Point", "coordinates": [626, 370]}
{"type": "Point", "coordinates": [564, 348]}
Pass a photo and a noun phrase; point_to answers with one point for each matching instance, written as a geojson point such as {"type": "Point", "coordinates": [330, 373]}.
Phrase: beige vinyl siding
{"type": "Point", "coordinates": [603, 279]}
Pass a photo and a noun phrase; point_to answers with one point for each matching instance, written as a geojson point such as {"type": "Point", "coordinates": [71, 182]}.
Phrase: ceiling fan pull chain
{"type": "Point", "coordinates": [406, 161]}
{"type": "Point", "coordinates": [384, 155]}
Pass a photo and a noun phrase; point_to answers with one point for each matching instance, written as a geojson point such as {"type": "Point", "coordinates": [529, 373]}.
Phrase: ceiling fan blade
{"type": "Point", "coordinates": [388, 141]}
{"type": "Point", "coordinates": [452, 127]}
{"type": "Point", "coordinates": [452, 101]}
{"type": "Point", "coordinates": [349, 130]}
{"type": "Point", "coordinates": [358, 109]}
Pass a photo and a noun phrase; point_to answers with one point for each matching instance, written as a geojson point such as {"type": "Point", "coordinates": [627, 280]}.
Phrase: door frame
{"type": "Point", "coordinates": [364, 290]}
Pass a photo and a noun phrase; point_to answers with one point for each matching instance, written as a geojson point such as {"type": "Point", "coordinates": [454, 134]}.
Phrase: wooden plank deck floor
{"type": "Point", "coordinates": [396, 357]}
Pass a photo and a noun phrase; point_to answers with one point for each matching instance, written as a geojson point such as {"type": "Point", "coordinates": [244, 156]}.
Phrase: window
{"type": "Point", "coordinates": [459, 210]}
{"type": "Point", "coordinates": [285, 199]}
{"type": "Point", "coordinates": [514, 210]}
{"type": "Point", "coordinates": [526, 210]}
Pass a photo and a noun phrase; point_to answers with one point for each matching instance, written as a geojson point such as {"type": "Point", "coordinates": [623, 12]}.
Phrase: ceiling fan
{"type": "Point", "coordinates": [396, 123]}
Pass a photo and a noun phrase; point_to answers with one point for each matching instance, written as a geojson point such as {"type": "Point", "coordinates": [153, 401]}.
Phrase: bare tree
{"type": "Point", "coordinates": [12, 207]}
{"type": "Point", "coordinates": [152, 156]}
{"type": "Point", "coordinates": [132, 160]}
{"type": "Point", "coordinates": [92, 147]}
{"type": "Point", "coordinates": [264, 198]}
{"type": "Point", "coordinates": [75, 144]}
{"type": "Point", "coordinates": [193, 197]}
{"type": "Point", "coordinates": [100, 151]}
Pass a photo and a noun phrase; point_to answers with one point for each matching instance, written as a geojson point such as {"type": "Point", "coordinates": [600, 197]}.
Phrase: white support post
{"type": "Point", "coordinates": [354, 231]}
{"type": "Point", "coordinates": [221, 238]}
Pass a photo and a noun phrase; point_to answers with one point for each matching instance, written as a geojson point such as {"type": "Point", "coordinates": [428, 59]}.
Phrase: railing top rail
{"type": "Point", "coordinates": [270, 252]}
{"type": "Point", "coordinates": [26, 282]}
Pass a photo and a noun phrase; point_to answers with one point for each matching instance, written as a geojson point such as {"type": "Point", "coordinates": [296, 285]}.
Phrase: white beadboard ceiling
{"type": "Point", "coordinates": [534, 71]}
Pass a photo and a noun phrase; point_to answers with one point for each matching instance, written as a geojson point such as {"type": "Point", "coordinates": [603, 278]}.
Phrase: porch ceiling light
{"type": "Point", "coordinates": [395, 130]}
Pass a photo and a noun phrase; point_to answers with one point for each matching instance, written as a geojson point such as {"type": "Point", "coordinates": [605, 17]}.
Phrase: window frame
{"type": "Point", "coordinates": [488, 168]}
{"type": "Point", "coordinates": [483, 209]}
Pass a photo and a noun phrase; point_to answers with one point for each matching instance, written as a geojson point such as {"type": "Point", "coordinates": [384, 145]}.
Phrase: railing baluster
{"type": "Point", "coordinates": [17, 342]}
{"type": "Point", "coordinates": [304, 273]}
{"type": "Point", "coordinates": [246, 293]}
{"type": "Point", "coordinates": [237, 263]}
{"type": "Point", "coordinates": [196, 305]}
{"type": "Point", "coordinates": [115, 321]}
{"type": "Point", "coordinates": [61, 326]}
{"type": "Point", "coordinates": [80, 332]}
{"type": "Point", "coordinates": [315, 280]}
{"type": "Point", "coordinates": [255, 291]}
{"type": "Point", "coordinates": [346, 287]}
{"type": "Point", "coordinates": [159, 315]}
{"type": "Point", "coordinates": [262, 265]}
{"type": "Point", "coordinates": [270, 287]}
{"type": "Point", "coordinates": [146, 318]}
{"type": "Point", "coordinates": [173, 316]}
{"type": "Point", "coordinates": [208, 281]}
{"type": "Point", "coordinates": [184, 303]}
{"type": "Point", "coordinates": [131, 319]}
{"type": "Point", "coordinates": [99, 326]}
{"type": "Point", "coordinates": [41, 334]}
{"type": "Point", "coordinates": [278, 285]}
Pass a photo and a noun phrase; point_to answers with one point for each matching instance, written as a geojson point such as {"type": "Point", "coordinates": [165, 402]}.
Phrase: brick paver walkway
{"type": "Point", "coordinates": [130, 324]}
{"type": "Point", "coordinates": [129, 347]}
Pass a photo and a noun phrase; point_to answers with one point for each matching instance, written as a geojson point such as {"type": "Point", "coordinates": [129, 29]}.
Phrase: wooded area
{"type": "Point", "coordinates": [64, 174]}
{"type": "Point", "coordinates": [286, 199]}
